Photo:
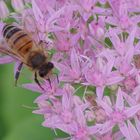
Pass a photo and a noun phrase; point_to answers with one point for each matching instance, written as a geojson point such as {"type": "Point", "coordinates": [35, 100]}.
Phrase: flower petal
{"type": "Point", "coordinates": [132, 111]}
{"type": "Point", "coordinates": [120, 101]}
{"type": "Point", "coordinates": [67, 97]}
{"type": "Point", "coordinates": [114, 78]}
{"type": "Point", "coordinates": [137, 121]}
{"type": "Point", "coordinates": [131, 37]}
{"type": "Point", "coordinates": [74, 60]}
{"type": "Point", "coordinates": [133, 132]}
{"type": "Point", "coordinates": [93, 129]}
{"type": "Point", "coordinates": [41, 98]}
{"type": "Point", "coordinates": [105, 106]}
{"type": "Point", "coordinates": [33, 87]}
{"type": "Point", "coordinates": [80, 116]}
{"type": "Point", "coordinates": [129, 99]}
{"type": "Point", "coordinates": [106, 127]}
{"type": "Point", "coordinates": [37, 12]}
{"type": "Point", "coordinates": [125, 131]}
{"type": "Point", "coordinates": [109, 66]}
{"type": "Point", "coordinates": [6, 59]}
{"type": "Point", "coordinates": [100, 92]}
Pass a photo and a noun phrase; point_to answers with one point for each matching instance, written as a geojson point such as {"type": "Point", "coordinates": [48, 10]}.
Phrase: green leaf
{"type": "Point", "coordinates": [108, 42]}
{"type": "Point", "coordinates": [107, 91]}
{"type": "Point", "coordinates": [9, 20]}
{"type": "Point", "coordinates": [81, 42]}
{"type": "Point", "coordinates": [8, 3]}
{"type": "Point", "coordinates": [73, 31]}
{"type": "Point", "coordinates": [52, 51]}
{"type": "Point", "coordinates": [51, 36]}
{"type": "Point", "coordinates": [28, 5]}
{"type": "Point", "coordinates": [90, 19]}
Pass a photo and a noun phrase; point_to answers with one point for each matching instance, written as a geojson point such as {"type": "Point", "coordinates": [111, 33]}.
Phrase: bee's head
{"type": "Point", "coordinates": [45, 69]}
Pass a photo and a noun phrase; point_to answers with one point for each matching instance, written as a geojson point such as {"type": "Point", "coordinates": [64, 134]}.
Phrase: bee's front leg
{"type": "Point", "coordinates": [37, 81]}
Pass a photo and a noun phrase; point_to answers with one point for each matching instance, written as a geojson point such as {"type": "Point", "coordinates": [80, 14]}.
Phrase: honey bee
{"type": "Point", "coordinates": [31, 54]}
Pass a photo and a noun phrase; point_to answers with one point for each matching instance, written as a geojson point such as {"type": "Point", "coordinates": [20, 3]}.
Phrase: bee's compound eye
{"type": "Point", "coordinates": [50, 65]}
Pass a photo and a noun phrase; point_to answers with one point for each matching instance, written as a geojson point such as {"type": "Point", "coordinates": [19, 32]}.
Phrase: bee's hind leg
{"type": "Point", "coordinates": [18, 73]}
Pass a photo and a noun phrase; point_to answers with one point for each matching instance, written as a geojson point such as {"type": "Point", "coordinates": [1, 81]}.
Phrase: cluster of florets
{"type": "Point", "coordinates": [94, 45]}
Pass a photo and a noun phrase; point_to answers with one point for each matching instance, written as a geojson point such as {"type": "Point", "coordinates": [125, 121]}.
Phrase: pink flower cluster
{"type": "Point", "coordinates": [95, 48]}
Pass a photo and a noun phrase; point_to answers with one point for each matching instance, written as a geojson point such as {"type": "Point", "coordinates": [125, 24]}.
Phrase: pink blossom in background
{"type": "Point", "coordinates": [3, 10]}
{"type": "Point", "coordinates": [95, 47]}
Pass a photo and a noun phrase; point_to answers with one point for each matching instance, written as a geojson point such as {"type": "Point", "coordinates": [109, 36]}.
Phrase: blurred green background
{"type": "Point", "coordinates": [17, 122]}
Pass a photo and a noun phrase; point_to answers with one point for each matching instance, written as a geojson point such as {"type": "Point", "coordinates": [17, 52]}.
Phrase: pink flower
{"type": "Point", "coordinates": [3, 10]}
{"type": "Point", "coordinates": [101, 75]}
{"type": "Point", "coordinates": [129, 84]}
{"type": "Point", "coordinates": [125, 50]}
{"type": "Point", "coordinates": [70, 70]}
{"type": "Point", "coordinates": [133, 6]}
{"type": "Point", "coordinates": [51, 90]}
{"type": "Point", "coordinates": [66, 115]}
{"type": "Point", "coordinates": [120, 15]}
{"type": "Point", "coordinates": [130, 131]}
{"type": "Point", "coordinates": [95, 49]}
{"type": "Point", "coordinates": [6, 59]}
{"type": "Point", "coordinates": [18, 5]}
{"type": "Point", "coordinates": [116, 115]}
{"type": "Point", "coordinates": [97, 29]}
{"type": "Point", "coordinates": [110, 136]}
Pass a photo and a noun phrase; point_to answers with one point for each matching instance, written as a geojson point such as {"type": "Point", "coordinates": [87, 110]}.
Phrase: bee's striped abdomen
{"type": "Point", "coordinates": [17, 39]}
{"type": "Point", "coordinates": [9, 30]}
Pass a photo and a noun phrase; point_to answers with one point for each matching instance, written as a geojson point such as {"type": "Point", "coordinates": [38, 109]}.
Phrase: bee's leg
{"type": "Point", "coordinates": [36, 80]}
{"type": "Point", "coordinates": [18, 73]}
